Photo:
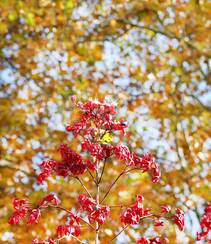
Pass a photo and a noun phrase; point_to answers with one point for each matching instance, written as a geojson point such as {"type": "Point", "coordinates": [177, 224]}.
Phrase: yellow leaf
{"type": "Point", "coordinates": [178, 71]}
{"type": "Point", "coordinates": [106, 138]}
{"type": "Point", "coordinates": [30, 19]}
{"type": "Point", "coordinates": [12, 16]}
{"type": "Point", "coordinates": [3, 28]}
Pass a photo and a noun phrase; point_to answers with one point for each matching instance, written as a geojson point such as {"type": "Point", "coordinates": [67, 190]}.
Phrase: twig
{"type": "Point", "coordinates": [81, 182]}
{"type": "Point", "coordinates": [118, 233]}
{"type": "Point", "coordinates": [121, 205]}
{"type": "Point", "coordinates": [200, 102]}
{"type": "Point", "coordinates": [68, 211]}
{"type": "Point", "coordinates": [110, 187]}
{"type": "Point", "coordinates": [76, 238]}
{"type": "Point", "coordinates": [92, 176]}
{"type": "Point", "coordinates": [101, 175]}
{"type": "Point", "coordinates": [97, 200]}
{"type": "Point", "coordinates": [169, 35]}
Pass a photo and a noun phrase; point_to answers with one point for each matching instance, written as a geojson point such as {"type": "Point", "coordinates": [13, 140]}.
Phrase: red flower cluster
{"type": "Point", "coordinates": [155, 240]}
{"type": "Point", "coordinates": [97, 150]}
{"type": "Point", "coordinates": [122, 152]}
{"type": "Point", "coordinates": [99, 214]}
{"type": "Point", "coordinates": [147, 163]}
{"type": "Point", "coordinates": [133, 214]}
{"type": "Point", "coordinates": [178, 219]}
{"type": "Point", "coordinates": [51, 198]}
{"type": "Point", "coordinates": [96, 212]}
{"type": "Point", "coordinates": [49, 241]}
{"type": "Point", "coordinates": [47, 168]}
{"type": "Point", "coordinates": [205, 223]}
{"type": "Point", "coordinates": [91, 165]}
{"type": "Point", "coordinates": [101, 114]}
{"type": "Point", "coordinates": [158, 223]}
{"type": "Point", "coordinates": [34, 215]}
{"type": "Point", "coordinates": [22, 209]}
{"type": "Point", "coordinates": [165, 209]}
{"type": "Point", "coordinates": [71, 164]}
{"type": "Point", "coordinates": [86, 203]}
{"type": "Point", "coordinates": [72, 227]}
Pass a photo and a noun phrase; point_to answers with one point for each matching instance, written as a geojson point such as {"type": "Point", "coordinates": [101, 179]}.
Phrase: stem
{"type": "Point", "coordinates": [123, 172]}
{"type": "Point", "coordinates": [68, 211]}
{"type": "Point", "coordinates": [97, 225]}
{"type": "Point", "coordinates": [119, 233]}
{"type": "Point", "coordinates": [150, 215]}
{"type": "Point", "coordinates": [101, 175]}
{"type": "Point", "coordinates": [92, 176]}
{"type": "Point", "coordinates": [76, 238]}
{"type": "Point", "coordinates": [81, 182]}
{"type": "Point", "coordinates": [97, 200]}
{"type": "Point", "coordinates": [121, 205]}
{"type": "Point", "coordinates": [109, 189]}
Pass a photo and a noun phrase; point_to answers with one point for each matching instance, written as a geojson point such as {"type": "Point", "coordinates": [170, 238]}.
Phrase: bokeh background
{"type": "Point", "coordinates": [150, 57]}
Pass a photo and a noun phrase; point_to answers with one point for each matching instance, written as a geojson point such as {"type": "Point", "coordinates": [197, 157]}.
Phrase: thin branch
{"type": "Point", "coordinates": [101, 175]}
{"type": "Point", "coordinates": [199, 102]}
{"type": "Point", "coordinates": [156, 31]}
{"type": "Point", "coordinates": [110, 187]}
{"type": "Point", "coordinates": [119, 233]}
{"type": "Point", "coordinates": [68, 211]}
{"type": "Point", "coordinates": [121, 205]}
{"type": "Point", "coordinates": [81, 182]}
{"type": "Point", "coordinates": [177, 118]}
{"type": "Point", "coordinates": [97, 200]}
{"type": "Point", "coordinates": [168, 34]}
{"type": "Point", "coordinates": [75, 237]}
{"type": "Point", "coordinates": [10, 63]}
{"type": "Point", "coordinates": [92, 176]}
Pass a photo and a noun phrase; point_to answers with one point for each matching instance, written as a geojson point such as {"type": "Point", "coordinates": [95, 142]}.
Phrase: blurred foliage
{"type": "Point", "coordinates": [152, 57]}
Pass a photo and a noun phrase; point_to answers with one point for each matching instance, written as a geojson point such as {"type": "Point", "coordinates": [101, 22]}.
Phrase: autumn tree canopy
{"type": "Point", "coordinates": [151, 57]}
